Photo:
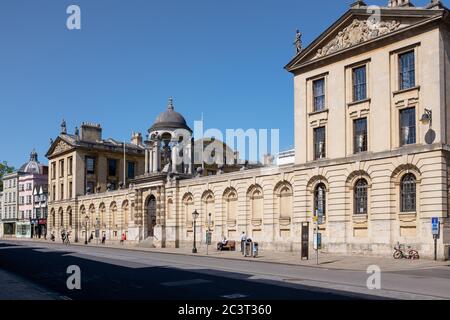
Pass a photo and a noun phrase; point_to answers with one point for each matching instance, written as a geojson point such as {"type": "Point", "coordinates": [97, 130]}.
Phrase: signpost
{"type": "Point", "coordinates": [305, 240]}
{"type": "Point", "coordinates": [208, 240]}
{"type": "Point", "coordinates": [317, 236]}
{"type": "Point", "coordinates": [435, 228]}
{"type": "Point", "coordinates": [208, 234]}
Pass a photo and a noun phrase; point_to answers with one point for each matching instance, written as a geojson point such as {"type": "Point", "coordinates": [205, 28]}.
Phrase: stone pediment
{"type": "Point", "coordinates": [357, 32]}
{"type": "Point", "coordinates": [59, 147]}
{"type": "Point", "coordinates": [359, 26]}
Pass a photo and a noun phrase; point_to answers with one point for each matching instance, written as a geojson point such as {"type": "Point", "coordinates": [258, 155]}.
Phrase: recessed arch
{"type": "Point", "coordinates": [151, 212]}
{"type": "Point", "coordinates": [357, 175]}
{"type": "Point", "coordinates": [69, 217]}
{"type": "Point", "coordinates": [400, 171]}
{"type": "Point", "coordinates": [316, 180]}
{"type": "Point", "coordinates": [283, 200]}
{"type": "Point", "coordinates": [61, 217]}
{"type": "Point", "coordinates": [255, 196]}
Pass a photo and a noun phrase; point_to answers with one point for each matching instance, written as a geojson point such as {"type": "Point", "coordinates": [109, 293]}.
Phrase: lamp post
{"type": "Point", "coordinates": [86, 230]}
{"type": "Point", "coordinates": [208, 234]}
{"type": "Point", "coordinates": [195, 215]}
{"type": "Point", "coordinates": [427, 117]}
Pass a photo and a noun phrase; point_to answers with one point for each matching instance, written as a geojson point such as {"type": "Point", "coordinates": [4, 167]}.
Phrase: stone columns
{"type": "Point", "coordinates": [147, 164]}
{"type": "Point", "coordinates": [175, 158]}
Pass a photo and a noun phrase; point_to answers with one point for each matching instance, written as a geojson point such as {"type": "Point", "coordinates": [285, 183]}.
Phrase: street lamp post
{"type": "Point", "coordinates": [86, 230]}
{"type": "Point", "coordinates": [195, 215]}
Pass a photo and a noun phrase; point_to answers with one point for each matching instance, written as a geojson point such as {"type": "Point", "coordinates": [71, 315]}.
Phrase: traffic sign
{"type": "Point", "coordinates": [317, 244]}
{"type": "Point", "coordinates": [435, 226]}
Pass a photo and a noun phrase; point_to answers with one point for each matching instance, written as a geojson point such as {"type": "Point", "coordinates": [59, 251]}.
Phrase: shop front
{"type": "Point", "coordinates": [23, 230]}
{"type": "Point", "coordinates": [38, 228]}
{"type": "Point", "coordinates": [9, 229]}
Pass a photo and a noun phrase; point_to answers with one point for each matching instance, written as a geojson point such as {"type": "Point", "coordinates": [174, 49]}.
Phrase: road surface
{"type": "Point", "coordinates": [108, 273]}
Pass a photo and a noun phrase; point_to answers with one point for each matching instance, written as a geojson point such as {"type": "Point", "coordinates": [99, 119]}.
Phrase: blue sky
{"type": "Point", "coordinates": [222, 58]}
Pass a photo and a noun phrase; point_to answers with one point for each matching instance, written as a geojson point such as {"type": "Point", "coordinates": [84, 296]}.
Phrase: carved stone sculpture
{"type": "Point", "coordinates": [357, 32]}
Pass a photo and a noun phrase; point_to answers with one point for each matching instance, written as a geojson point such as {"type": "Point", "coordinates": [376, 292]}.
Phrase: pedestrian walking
{"type": "Point", "coordinates": [104, 238]}
{"type": "Point", "coordinates": [123, 238]}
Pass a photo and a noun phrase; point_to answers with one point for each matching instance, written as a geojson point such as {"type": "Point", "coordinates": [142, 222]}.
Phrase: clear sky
{"type": "Point", "coordinates": [222, 58]}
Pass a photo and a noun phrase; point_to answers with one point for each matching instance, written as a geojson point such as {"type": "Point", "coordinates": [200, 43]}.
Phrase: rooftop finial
{"type": "Point", "coordinates": [358, 4]}
{"type": "Point", "coordinates": [170, 105]}
{"type": "Point", "coordinates": [298, 42]}
{"type": "Point", "coordinates": [34, 156]}
{"type": "Point", "coordinates": [435, 4]}
{"type": "Point", "coordinates": [63, 127]}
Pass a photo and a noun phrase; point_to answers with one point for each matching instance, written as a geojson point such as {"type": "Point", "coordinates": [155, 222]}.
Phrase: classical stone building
{"type": "Point", "coordinates": [371, 158]}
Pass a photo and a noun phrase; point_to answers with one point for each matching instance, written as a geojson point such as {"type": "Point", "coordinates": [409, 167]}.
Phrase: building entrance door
{"type": "Point", "coordinates": [151, 214]}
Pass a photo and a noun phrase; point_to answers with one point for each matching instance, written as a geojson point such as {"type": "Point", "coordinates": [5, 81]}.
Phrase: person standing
{"type": "Point", "coordinates": [243, 241]}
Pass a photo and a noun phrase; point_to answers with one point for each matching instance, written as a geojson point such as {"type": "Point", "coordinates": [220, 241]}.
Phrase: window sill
{"type": "Point", "coordinates": [318, 112]}
{"type": "Point", "coordinates": [406, 90]}
{"type": "Point", "coordinates": [413, 213]}
{"type": "Point", "coordinates": [350, 104]}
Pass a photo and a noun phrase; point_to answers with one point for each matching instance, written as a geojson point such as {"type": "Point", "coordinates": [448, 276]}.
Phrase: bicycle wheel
{"type": "Point", "coordinates": [398, 255]}
{"type": "Point", "coordinates": [414, 255]}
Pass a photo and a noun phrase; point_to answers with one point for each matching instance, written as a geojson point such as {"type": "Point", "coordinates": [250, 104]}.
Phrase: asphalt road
{"type": "Point", "coordinates": [108, 273]}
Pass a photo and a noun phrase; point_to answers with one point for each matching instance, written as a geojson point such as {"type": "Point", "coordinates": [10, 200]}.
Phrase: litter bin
{"type": "Point", "coordinates": [255, 249]}
{"type": "Point", "coordinates": [248, 248]}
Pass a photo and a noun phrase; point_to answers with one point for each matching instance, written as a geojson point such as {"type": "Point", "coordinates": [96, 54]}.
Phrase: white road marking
{"type": "Point", "coordinates": [235, 296]}
{"type": "Point", "coordinates": [185, 283]}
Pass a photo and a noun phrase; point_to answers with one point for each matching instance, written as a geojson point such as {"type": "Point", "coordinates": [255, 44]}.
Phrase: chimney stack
{"type": "Point", "coordinates": [136, 139]}
{"type": "Point", "coordinates": [91, 132]}
{"type": "Point", "coordinates": [400, 3]}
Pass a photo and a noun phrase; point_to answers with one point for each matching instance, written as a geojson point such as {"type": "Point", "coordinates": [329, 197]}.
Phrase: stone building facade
{"type": "Point", "coordinates": [32, 175]}
{"type": "Point", "coordinates": [371, 164]}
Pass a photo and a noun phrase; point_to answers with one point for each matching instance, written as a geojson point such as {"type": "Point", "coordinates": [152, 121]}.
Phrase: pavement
{"type": "Point", "coordinates": [141, 273]}
{"type": "Point", "coordinates": [325, 260]}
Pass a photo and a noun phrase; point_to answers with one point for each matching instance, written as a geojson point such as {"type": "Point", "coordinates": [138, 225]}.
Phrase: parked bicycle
{"type": "Point", "coordinates": [400, 253]}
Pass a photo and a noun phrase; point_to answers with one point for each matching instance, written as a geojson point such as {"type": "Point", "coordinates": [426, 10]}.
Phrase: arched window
{"type": "Point", "coordinates": [231, 205]}
{"type": "Point", "coordinates": [113, 215]}
{"type": "Point", "coordinates": [285, 196]}
{"type": "Point", "coordinates": [170, 208]}
{"type": "Point", "coordinates": [361, 197]}
{"type": "Point", "coordinates": [408, 193]}
{"type": "Point", "coordinates": [125, 214]}
{"type": "Point", "coordinates": [61, 218]}
{"type": "Point", "coordinates": [53, 218]}
{"type": "Point", "coordinates": [257, 202]}
{"type": "Point", "coordinates": [320, 200]}
{"type": "Point", "coordinates": [209, 205]}
{"type": "Point", "coordinates": [102, 213]}
{"type": "Point", "coordinates": [188, 208]}
{"type": "Point", "coordinates": [69, 217]}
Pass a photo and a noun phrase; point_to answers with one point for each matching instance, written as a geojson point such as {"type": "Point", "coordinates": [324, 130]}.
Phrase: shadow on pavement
{"type": "Point", "coordinates": [106, 281]}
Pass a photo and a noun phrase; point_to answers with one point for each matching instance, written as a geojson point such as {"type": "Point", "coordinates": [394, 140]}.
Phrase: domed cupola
{"type": "Point", "coordinates": [33, 166]}
{"type": "Point", "coordinates": [169, 120]}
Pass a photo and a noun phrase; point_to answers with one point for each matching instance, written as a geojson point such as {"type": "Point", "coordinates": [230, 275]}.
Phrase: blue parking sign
{"type": "Point", "coordinates": [435, 226]}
